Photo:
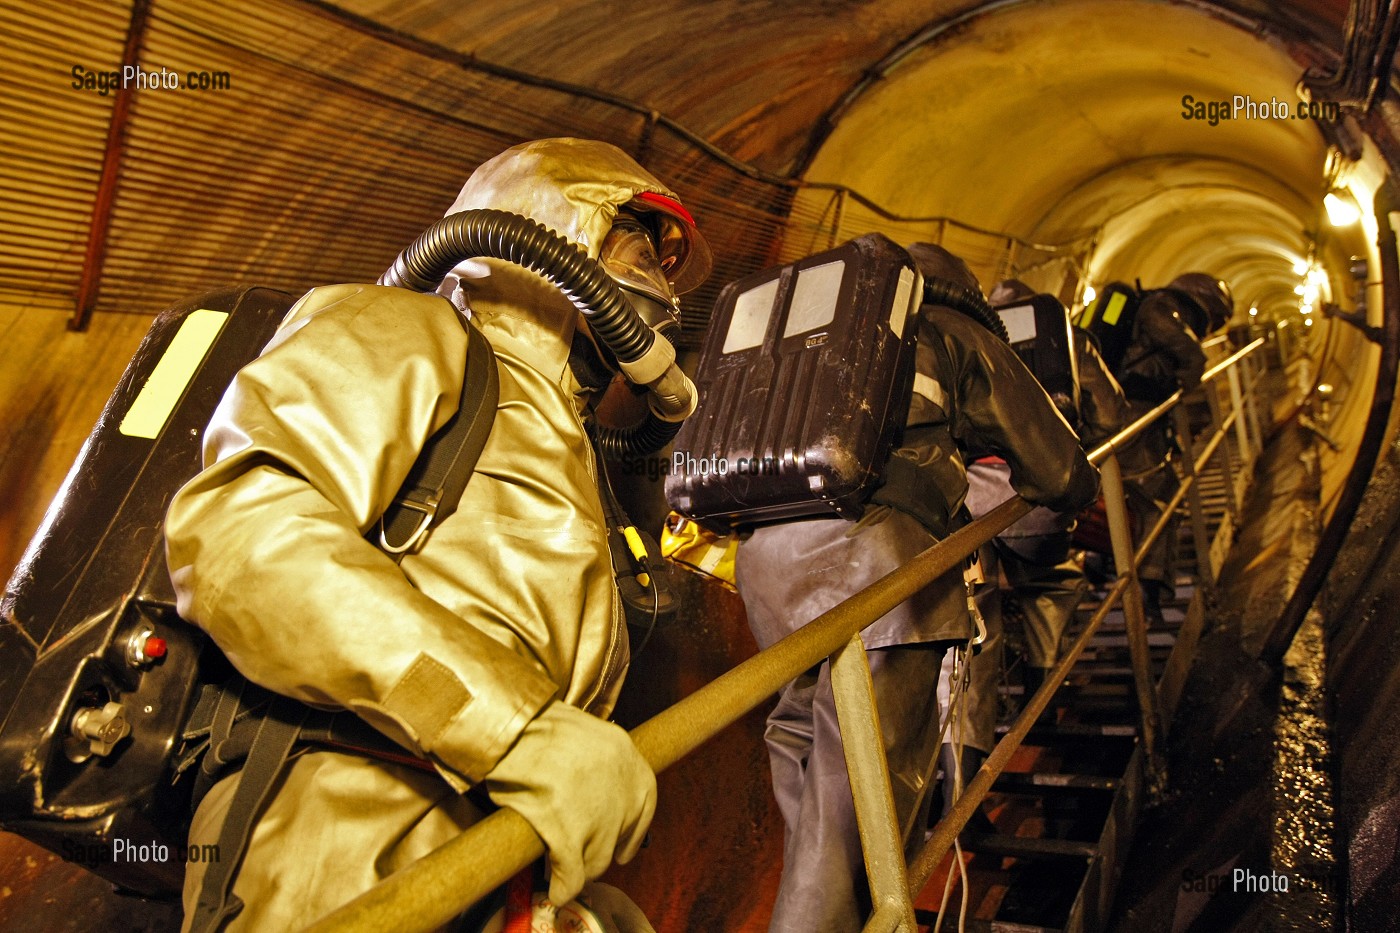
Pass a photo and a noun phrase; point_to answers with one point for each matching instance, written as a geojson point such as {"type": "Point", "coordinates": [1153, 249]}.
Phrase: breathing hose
{"type": "Point", "coordinates": [968, 301]}
{"type": "Point", "coordinates": [644, 359]}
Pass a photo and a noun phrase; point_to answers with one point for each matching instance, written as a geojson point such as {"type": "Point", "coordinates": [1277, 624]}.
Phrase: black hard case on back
{"type": "Point", "coordinates": [804, 383]}
{"type": "Point", "coordinates": [1110, 320]}
{"type": "Point", "coordinates": [93, 576]}
{"type": "Point", "coordinates": [1040, 333]}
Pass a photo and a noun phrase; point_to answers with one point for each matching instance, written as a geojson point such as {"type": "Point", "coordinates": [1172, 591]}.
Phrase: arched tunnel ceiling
{"type": "Point", "coordinates": [757, 78]}
{"type": "Point", "coordinates": [1064, 120]}
{"type": "Point", "coordinates": [1041, 120]}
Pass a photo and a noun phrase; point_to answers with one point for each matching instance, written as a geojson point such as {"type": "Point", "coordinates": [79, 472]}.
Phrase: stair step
{"type": "Point", "coordinates": [929, 917]}
{"type": "Point", "coordinates": [1022, 782]}
{"type": "Point", "coordinates": [1027, 847]}
{"type": "Point", "coordinates": [1074, 731]}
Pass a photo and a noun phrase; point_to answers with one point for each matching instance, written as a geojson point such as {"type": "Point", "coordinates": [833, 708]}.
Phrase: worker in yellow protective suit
{"type": "Point", "coordinates": [495, 651]}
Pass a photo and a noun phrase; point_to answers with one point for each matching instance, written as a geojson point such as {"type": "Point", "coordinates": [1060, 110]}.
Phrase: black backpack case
{"type": "Point", "coordinates": [1039, 330]}
{"type": "Point", "coordinates": [92, 585]}
{"type": "Point", "coordinates": [804, 383]}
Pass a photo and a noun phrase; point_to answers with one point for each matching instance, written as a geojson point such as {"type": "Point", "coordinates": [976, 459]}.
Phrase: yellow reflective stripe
{"type": "Point", "coordinates": [172, 373]}
{"type": "Point", "coordinates": [1115, 308]}
{"type": "Point", "coordinates": [929, 388]}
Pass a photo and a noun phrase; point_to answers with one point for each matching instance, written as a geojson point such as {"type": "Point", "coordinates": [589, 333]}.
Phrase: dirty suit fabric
{"type": "Point", "coordinates": [1033, 555]}
{"type": "Point", "coordinates": [509, 604]}
{"type": "Point", "coordinates": [788, 573]}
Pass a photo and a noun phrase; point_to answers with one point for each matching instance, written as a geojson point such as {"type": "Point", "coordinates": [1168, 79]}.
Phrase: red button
{"type": "Point", "coordinates": [154, 648]}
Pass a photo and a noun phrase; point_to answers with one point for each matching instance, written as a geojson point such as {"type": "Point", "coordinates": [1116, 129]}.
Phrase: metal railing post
{"type": "Point", "coordinates": [1115, 504]}
{"type": "Point", "coordinates": [1227, 469]}
{"type": "Point", "coordinates": [1241, 421]}
{"type": "Point", "coordinates": [1199, 533]}
{"type": "Point", "coordinates": [1254, 374]}
{"type": "Point", "coordinates": [881, 841]}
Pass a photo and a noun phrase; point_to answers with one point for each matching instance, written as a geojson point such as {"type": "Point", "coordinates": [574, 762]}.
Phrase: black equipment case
{"type": "Point", "coordinates": [1039, 330]}
{"type": "Point", "coordinates": [88, 625]}
{"type": "Point", "coordinates": [1110, 320]}
{"type": "Point", "coordinates": [804, 382]}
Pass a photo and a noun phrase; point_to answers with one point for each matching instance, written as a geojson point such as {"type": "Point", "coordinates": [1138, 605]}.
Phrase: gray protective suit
{"type": "Point", "coordinates": [970, 391]}
{"type": "Point", "coordinates": [1164, 355]}
{"type": "Point", "coordinates": [478, 651]}
{"type": "Point", "coordinates": [1033, 554]}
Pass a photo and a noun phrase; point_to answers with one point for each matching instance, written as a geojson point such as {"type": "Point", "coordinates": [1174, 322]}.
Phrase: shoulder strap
{"type": "Point", "coordinates": [434, 486]}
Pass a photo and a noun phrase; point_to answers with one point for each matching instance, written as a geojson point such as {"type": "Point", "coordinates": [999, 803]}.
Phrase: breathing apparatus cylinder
{"type": "Point", "coordinates": [645, 357]}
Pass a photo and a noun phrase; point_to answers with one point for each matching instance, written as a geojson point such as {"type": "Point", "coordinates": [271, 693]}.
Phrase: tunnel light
{"type": "Point", "coordinates": [1089, 294]}
{"type": "Point", "coordinates": [1300, 267]}
{"type": "Point", "coordinates": [1253, 312]}
{"type": "Point", "coordinates": [1307, 321]}
{"type": "Point", "coordinates": [1341, 211]}
{"type": "Point", "coordinates": [1299, 289]}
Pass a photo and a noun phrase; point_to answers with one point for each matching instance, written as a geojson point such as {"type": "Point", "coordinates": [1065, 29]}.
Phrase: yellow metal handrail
{"type": "Point", "coordinates": [442, 884]}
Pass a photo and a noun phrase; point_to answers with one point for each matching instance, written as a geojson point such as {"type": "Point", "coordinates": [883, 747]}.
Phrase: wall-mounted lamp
{"type": "Point", "coordinates": [1342, 209]}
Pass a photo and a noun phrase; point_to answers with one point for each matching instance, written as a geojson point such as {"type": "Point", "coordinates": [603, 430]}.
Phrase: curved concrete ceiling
{"type": "Point", "coordinates": [1068, 120]}
{"type": "Point", "coordinates": [1051, 121]}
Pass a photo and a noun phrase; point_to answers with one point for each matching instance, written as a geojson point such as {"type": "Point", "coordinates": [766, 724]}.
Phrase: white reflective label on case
{"type": "Point", "coordinates": [1019, 321]}
{"type": "Point", "coordinates": [749, 322]}
{"type": "Point", "coordinates": [814, 297]}
{"type": "Point", "coordinates": [172, 373]}
{"type": "Point", "coordinates": [902, 296]}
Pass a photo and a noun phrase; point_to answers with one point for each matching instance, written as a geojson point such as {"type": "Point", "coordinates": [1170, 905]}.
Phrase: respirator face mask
{"type": "Point", "coordinates": [629, 256]}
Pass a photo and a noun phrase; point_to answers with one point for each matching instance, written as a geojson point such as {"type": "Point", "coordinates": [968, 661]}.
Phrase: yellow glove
{"type": "Point", "coordinates": [583, 786]}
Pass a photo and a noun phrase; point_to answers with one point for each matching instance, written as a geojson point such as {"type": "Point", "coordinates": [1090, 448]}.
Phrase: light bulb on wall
{"type": "Point", "coordinates": [1341, 208]}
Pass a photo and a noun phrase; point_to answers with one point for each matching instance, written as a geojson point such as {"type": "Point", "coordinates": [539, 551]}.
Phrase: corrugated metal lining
{"type": "Point", "coordinates": [330, 149]}
{"type": "Point", "coordinates": [52, 139]}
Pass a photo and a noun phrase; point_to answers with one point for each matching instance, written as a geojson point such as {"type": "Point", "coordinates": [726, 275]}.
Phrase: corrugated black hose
{"type": "Point", "coordinates": [514, 238]}
{"type": "Point", "coordinates": [968, 301]}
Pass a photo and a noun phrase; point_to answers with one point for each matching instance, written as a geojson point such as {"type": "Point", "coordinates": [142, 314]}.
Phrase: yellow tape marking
{"type": "Point", "coordinates": [1115, 308]}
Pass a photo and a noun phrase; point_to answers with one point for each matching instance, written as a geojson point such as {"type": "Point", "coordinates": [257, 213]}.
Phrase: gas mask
{"type": "Point", "coordinates": [629, 254]}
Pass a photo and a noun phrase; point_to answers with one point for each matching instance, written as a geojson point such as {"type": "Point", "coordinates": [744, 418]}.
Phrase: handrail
{"type": "Point", "coordinates": [446, 881]}
{"type": "Point", "coordinates": [443, 883]}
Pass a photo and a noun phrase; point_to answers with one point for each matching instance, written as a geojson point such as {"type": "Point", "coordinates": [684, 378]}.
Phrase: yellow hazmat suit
{"type": "Point", "coordinates": [476, 652]}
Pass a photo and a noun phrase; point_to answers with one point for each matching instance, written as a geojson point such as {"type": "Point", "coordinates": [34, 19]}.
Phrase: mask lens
{"type": "Point", "coordinates": [630, 257]}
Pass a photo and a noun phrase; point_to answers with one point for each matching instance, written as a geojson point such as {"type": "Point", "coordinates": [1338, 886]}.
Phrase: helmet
{"type": "Point", "coordinates": [1211, 296]}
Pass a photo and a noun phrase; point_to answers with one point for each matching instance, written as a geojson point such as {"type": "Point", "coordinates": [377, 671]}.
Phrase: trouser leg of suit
{"type": "Point", "coordinates": [1048, 585]}
{"type": "Point", "coordinates": [1147, 498]}
{"type": "Point", "coordinates": [823, 886]}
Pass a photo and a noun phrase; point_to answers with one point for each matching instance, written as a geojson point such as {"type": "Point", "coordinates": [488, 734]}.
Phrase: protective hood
{"type": "Point", "coordinates": [1211, 297]}
{"type": "Point", "coordinates": [575, 187]}
{"type": "Point", "coordinates": [935, 262]}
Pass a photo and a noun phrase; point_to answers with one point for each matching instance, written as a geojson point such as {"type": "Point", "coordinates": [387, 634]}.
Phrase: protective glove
{"type": "Point", "coordinates": [583, 786]}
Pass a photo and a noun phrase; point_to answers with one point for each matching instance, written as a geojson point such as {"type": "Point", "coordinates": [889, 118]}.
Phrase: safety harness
{"type": "Point", "coordinates": [239, 725]}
